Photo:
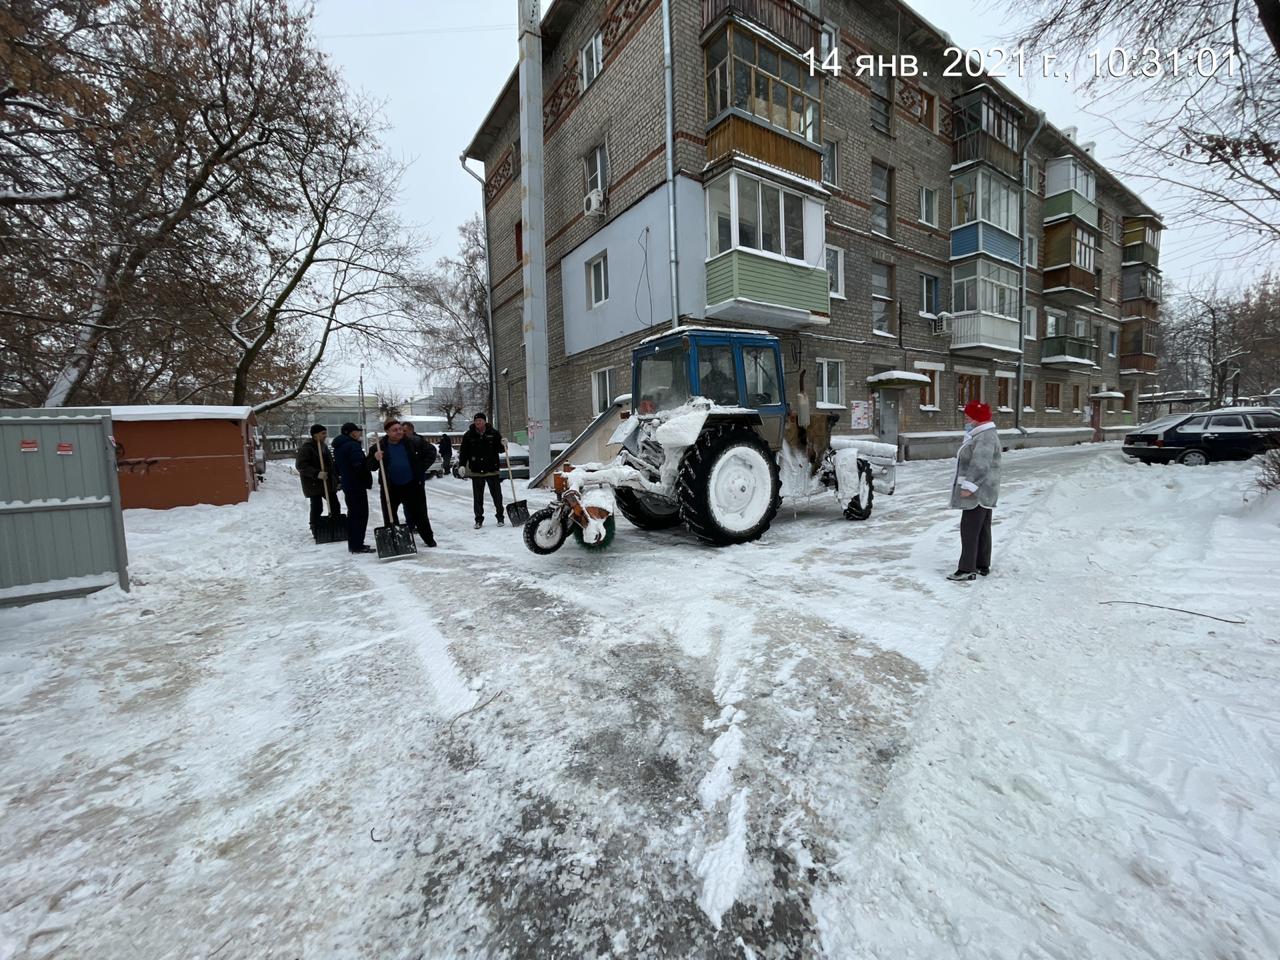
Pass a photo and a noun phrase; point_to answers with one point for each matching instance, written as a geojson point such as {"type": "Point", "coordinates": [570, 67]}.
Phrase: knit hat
{"type": "Point", "coordinates": [350, 427]}
{"type": "Point", "coordinates": [480, 416]}
{"type": "Point", "coordinates": [977, 410]}
{"type": "Point", "coordinates": [318, 428]}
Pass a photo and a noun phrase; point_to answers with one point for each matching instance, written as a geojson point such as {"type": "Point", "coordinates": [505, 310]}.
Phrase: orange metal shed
{"type": "Point", "coordinates": [179, 455]}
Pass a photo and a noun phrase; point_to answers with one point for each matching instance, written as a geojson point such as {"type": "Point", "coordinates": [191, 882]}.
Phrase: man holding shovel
{"type": "Point", "coordinates": [404, 476]}
{"type": "Point", "coordinates": [315, 470]}
{"type": "Point", "coordinates": [478, 454]}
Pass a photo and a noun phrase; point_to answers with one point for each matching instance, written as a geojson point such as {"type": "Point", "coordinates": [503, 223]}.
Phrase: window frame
{"type": "Point", "coordinates": [1030, 324]}
{"type": "Point", "coordinates": [600, 155]}
{"type": "Point", "coordinates": [834, 154]}
{"type": "Point", "coordinates": [735, 179]}
{"type": "Point", "coordinates": [886, 202]}
{"type": "Point", "coordinates": [881, 102]}
{"type": "Point", "coordinates": [924, 299]}
{"type": "Point", "coordinates": [801, 106]}
{"type": "Point", "coordinates": [596, 47]}
{"type": "Point", "coordinates": [601, 258]}
{"type": "Point", "coordinates": [1052, 407]}
{"type": "Point", "coordinates": [836, 290]}
{"type": "Point", "coordinates": [598, 403]}
{"type": "Point", "coordinates": [932, 391]}
{"type": "Point", "coordinates": [891, 326]}
{"type": "Point", "coordinates": [960, 394]}
{"type": "Point", "coordinates": [824, 383]}
{"type": "Point", "coordinates": [1028, 395]}
{"type": "Point", "coordinates": [923, 192]}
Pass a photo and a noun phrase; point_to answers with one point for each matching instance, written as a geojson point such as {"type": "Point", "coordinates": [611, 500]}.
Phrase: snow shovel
{"type": "Point", "coordinates": [517, 510]}
{"type": "Point", "coordinates": [395, 542]}
{"type": "Point", "coordinates": [331, 528]}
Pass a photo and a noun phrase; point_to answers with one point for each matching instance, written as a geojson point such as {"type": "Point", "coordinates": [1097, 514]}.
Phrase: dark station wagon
{"type": "Point", "coordinates": [1232, 433]}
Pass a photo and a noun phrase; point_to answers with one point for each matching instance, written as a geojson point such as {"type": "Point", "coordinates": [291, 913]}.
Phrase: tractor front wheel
{"type": "Point", "coordinates": [728, 487]}
{"type": "Point", "coordinates": [859, 508]}
{"type": "Point", "coordinates": [647, 511]}
{"type": "Point", "coordinates": [546, 531]}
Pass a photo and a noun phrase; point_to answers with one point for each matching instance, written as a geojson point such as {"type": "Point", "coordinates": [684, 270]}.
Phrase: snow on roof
{"type": "Point", "coordinates": [703, 329]}
{"type": "Point", "coordinates": [890, 375]}
{"type": "Point", "coordinates": [179, 411]}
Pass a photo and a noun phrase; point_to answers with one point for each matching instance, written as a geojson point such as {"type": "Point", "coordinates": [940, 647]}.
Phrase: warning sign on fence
{"type": "Point", "coordinates": [65, 449]}
{"type": "Point", "coordinates": [28, 446]}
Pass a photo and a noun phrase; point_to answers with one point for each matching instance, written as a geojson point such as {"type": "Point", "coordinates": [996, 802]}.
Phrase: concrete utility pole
{"type": "Point", "coordinates": [534, 273]}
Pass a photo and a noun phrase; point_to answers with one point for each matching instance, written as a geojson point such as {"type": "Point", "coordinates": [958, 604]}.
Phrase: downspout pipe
{"type": "Point", "coordinates": [1022, 286]}
{"type": "Point", "coordinates": [488, 301]}
{"type": "Point", "coordinates": [668, 69]}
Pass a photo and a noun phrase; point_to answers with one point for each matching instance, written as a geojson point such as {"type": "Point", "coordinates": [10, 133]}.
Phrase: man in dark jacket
{"type": "Point", "coordinates": [478, 453]}
{"type": "Point", "coordinates": [446, 452]}
{"type": "Point", "coordinates": [315, 469]}
{"type": "Point", "coordinates": [348, 455]}
{"type": "Point", "coordinates": [402, 467]}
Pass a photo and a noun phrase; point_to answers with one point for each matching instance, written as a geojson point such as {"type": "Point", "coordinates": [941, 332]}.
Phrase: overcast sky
{"type": "Point", "coordinates": [437, 67]}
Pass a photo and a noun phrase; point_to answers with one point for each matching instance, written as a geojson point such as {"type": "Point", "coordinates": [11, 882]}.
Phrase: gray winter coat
{"type": "Point", "coordinates": [977, 469]}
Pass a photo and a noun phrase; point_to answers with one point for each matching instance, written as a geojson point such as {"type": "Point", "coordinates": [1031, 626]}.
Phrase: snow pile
{"type": "Point", "coordinates": [1091, 779]}
{"type": "Point", "coordinates": [891, 375]}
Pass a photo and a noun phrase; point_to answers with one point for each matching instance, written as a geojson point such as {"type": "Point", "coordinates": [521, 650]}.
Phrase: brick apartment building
{"type": "Point", "coordinates": [870, 222]}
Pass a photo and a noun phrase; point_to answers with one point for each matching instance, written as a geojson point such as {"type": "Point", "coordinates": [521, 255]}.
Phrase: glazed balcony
{"type": "Point", "coordinates": [1139, 343]}
{"type": "Point", "coordinates": [980, 334]}
{"type": "Point", "coordinates": [736, 134]}
{"type": "Point", "coordinates": [785, 19]}
{"type": "Point", "coordinates": [1142, 241]}
{"type": "Point", "coordinates": [1065, 351]}
{"type": "Point", "coordinates": [986, 129]}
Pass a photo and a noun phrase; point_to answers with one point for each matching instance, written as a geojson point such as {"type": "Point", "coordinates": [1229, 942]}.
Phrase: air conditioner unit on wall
{"type": "Point", "coordinates": [593, 204]}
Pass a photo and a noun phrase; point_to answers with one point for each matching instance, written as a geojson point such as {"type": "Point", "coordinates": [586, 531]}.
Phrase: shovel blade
{"type": "Point", "coordinates": [394, 542]}
{"type": "Point", "coordinates": [331, 529]}
{"type": "Point", "coordinates": [518, 512]}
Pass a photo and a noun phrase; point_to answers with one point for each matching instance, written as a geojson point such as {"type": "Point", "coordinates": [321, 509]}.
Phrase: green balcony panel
{"type": "Point", "coordinates": [744, 276]}
{"type": "Point", "coordinates": [1070, 204]}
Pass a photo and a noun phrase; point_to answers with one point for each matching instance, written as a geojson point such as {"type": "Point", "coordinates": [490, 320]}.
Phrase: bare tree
{"type": "Point", "coordinates": [389, 403]}
{"type": "Point", "coordinates": [1225, 344]}
{"type": "Point", "coordinates": [1205, 75]}
{"type": "Point", "coordinates": [453, 323]}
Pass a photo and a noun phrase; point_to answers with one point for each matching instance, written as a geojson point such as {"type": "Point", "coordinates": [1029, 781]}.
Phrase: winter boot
{"type": "Point", "coordinates": [961, 577]}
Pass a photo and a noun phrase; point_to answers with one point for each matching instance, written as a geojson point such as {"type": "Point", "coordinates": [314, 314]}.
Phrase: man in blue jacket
{"type": "Point", "coordinates": [356, 481]}
{"type": "Point", "coordinates": [405, 464]}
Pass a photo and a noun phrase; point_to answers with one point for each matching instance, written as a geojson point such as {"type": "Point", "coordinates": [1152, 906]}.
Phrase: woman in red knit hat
{"type": "Point", "coordinates": [975, 490]}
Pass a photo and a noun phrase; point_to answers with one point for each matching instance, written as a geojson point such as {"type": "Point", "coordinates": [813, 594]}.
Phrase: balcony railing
{"type": "Point", "coordinates": [1143, 362]}
{"type": "Point", "coordinates": [979, 145]}
{"type": "Point", "coordinates": [1067, 350]}
{"type": "Point", "coordinates": [785, 19]}
{"type": "Point", "coordinates": [976, 330]}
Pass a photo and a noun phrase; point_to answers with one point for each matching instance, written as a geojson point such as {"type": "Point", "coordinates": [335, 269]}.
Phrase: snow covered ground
{"type": "Point", "coordinates": [808, 746]}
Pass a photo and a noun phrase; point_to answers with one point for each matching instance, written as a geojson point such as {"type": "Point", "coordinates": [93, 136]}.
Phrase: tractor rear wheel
{"type": "Point", "coordinates": [728, 487]}
{"type": "Point", "coordinates": [647, 511]}
{"type": "Point", "coordinates": [859, 507]}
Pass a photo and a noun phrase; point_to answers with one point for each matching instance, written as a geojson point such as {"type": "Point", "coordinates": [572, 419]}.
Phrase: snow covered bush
{"type": "Point", "coordinates": [1269, 476]}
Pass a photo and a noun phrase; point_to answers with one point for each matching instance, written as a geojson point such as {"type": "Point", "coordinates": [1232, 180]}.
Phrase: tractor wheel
{"type": "Point", "coordinates": [859, 508]}
{"type": "Point", "coordinates": [647, 511]}
{"type": "Point", "coordinates": [728, 487]}
{"type": "Point", "coordinates": [545, 531]}
{"type": "Point", "coordinates": [610, 525]}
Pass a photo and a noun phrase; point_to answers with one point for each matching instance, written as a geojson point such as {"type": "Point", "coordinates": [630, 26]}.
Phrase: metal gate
{"type": "Point", "coordinates": [61, 530]}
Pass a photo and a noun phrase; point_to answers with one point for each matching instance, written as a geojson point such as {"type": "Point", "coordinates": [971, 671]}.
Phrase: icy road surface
{"type": "Point", "coordinates": [812, 746]}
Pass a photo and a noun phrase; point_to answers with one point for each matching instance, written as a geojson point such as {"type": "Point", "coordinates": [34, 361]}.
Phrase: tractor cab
{"type": "Point", "coordinates": [736, 369]}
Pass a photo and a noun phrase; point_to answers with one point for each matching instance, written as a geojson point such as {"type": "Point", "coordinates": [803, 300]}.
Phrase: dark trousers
{"type": "Point", "coordinates": [317, 507]}
{"type": "Point", "coordinates": [975, 540]}
{"type": "Point", "coordinates": [494, 484]}
{"type": "Point", "coordinates": [414, 499]}
{"type": "Point", "coordinates": [357, 516]}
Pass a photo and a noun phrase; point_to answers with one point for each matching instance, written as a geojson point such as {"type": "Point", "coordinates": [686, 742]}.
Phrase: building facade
{"type": "Point", "coordinates": [871, 220]}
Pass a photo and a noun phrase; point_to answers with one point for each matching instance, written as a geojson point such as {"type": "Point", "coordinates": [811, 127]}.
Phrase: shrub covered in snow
{"type": "Point", "coordinates": [1269, 475]}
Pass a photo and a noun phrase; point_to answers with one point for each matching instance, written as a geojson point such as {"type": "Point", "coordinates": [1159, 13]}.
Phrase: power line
{"type": "Point", "coordinates": [477, 28]}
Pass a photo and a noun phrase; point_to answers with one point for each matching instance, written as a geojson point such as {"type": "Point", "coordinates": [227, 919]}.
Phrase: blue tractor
{"type": "Point", "coordinates": [710, 441]}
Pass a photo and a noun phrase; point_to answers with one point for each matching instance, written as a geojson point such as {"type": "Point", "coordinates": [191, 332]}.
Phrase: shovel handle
{"type": "Point", "coordinates": [510, 475]}
{"type": "Point", "coordinates": [325, 478]}
{"type": "Point", "coordinates": [382, 485]}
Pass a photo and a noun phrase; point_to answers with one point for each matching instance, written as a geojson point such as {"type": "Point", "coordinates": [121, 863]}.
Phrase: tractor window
{"type": "Point", "coordinates": [664, 381]}
{"type": "Point", "coordinates": [761, 365]}
{"type": "Point", "coordinates": [717, 380]}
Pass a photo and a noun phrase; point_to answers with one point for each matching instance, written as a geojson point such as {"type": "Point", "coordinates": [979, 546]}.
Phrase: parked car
{"type": "Point", "coordinates": [1232, 433]}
